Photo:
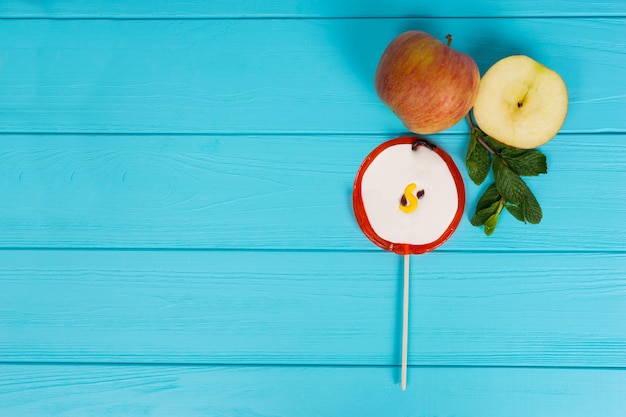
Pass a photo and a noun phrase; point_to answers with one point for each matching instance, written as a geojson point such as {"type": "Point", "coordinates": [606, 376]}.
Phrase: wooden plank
{"type": "Point", "coordinates": [322, 308]}
{"type": "Point", "coordinates": [272, 192]}
{"type": "Point", "coordinates": [265, 75]}
{"type": "Point", "coordinates": [306, 8]}
{"type": "Point", "coordinates": [101, 390]}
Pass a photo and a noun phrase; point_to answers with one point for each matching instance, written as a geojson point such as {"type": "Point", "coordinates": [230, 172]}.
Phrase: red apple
{"type": "Point", "coordinates": [425, 82]}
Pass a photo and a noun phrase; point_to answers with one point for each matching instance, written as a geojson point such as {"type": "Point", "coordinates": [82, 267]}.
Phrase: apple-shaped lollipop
{"type": "Point", "coordinates": [408, 198]}
{"type": "Point", "coordinates": [521, 103]}
{"type": "Point", "coordinates": [426, 83]}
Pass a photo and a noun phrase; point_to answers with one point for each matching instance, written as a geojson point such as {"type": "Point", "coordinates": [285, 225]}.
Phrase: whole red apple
{"type": "Point", "coordinates": [425, 82]}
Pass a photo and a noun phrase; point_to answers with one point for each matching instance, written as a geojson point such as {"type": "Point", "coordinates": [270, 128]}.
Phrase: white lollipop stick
{"type": "Point", "coordinates": [405, 321]}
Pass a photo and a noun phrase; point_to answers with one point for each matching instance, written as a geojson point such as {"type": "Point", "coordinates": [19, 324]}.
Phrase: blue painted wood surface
{"type": "Point", "coordinates": [245, 76]}
{"type": "Point", "coordinates": [176, 233]}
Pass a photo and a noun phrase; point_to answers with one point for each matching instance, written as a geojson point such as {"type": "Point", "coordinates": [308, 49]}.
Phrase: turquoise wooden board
{"type": "Point", "coordinates": [176, 230]}
{"type": "Point", "coordinates": [271, 75]}
{"type": "Point", "coordinates": [339, 308]}
{"type": "Point", "coordinates": [305, 8]}
{"type": "Point", "coordinates": [111, 391]}
{"type": "Point", "coordinates": [272, 192]}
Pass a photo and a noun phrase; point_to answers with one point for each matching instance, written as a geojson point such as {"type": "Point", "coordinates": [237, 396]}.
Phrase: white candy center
{"type": "Point", "coordinates": [383, 185]}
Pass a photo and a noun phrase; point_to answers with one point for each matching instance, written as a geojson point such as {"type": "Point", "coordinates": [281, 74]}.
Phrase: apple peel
{"type": "Point", "coordinates": [428, 85]}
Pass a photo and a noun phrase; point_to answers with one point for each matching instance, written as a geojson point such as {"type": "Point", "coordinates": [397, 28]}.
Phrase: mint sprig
{"type": "Point", "coordinates": [508, 191]}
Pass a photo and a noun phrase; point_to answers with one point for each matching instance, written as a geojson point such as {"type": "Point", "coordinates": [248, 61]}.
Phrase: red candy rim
{"type": "Point", "coordinates": [405, 248]}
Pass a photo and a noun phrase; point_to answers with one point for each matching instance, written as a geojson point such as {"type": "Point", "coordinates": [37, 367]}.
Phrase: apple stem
{"type": "Point", "coordinates": [449, 38]}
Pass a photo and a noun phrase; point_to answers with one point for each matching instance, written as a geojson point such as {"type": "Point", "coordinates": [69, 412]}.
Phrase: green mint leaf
{"type": "Point", "coordinates": [496, 146]}
{"type": "Point", "coordinates": [508, 191]}
{"type": "Point", "coordinates": [515, 191]}
{"type": "Point", "coordinates": [490, 196]}
{"type": "Point", "coordinates": [508, 183]}
{"type": "Point", "coordinates": [531, 208]}
{"type": "Point", "coordinates": [516, 211]}
{"type": "Point", "coordinates": [490, 224]}
{"type": "Point", "coordinates": [471, 145]}
{"type": "Point", "coordinates": [526, 162]}
{"type": "Point", "coordinates": [477, 160]}
{"type": "Point", "coordinates": [484, 214]}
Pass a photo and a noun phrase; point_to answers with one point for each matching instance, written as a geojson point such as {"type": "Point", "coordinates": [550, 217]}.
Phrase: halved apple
{"type": "Point", "coordinates": [520, 102]}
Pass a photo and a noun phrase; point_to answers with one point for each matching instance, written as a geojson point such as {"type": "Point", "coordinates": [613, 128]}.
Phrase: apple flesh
{"type": "Point", "coordinates": [426, 83]}
{"type": "Point", "coordinates": [521, 103]}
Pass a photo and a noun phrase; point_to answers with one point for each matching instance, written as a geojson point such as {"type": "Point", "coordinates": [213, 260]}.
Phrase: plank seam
{"type": "Point", "coordinates": [298, 365]}
{"type": "Point", "coordinates": [616, 252]}
{"type": "Point", "coordinates": [293, 17]}
{"type": "Point", "coordinates": [279, 134]}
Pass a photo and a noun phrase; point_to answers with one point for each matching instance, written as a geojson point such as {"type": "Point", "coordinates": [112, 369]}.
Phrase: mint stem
{"type": "Point", "coordinates": [479, 138]}
{"type": "Point", "coordinates": [501, 205]}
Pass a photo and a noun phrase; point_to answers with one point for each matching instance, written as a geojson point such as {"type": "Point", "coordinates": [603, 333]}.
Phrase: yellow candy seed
{"type": "Point", "coordinates": [411, 199]}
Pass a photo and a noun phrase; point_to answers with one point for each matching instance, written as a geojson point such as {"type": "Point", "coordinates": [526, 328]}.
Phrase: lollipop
{"type": "Point", "coordinates": [408, 198]}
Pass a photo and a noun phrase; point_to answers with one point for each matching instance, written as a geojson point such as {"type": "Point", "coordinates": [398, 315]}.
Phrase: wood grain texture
{"type": "Point", "coordinates": [271, 75]}
{"type": "Point", "coordinates": [177, 237]}
{"type": "Point", "coordinates": [312, 308]}
{"type": "Point", "coordinates": [272, 192]}
{"type": "Point", "coordinates": [305, 8]}
{"type": "Point", "coordinates": [112, 391]}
